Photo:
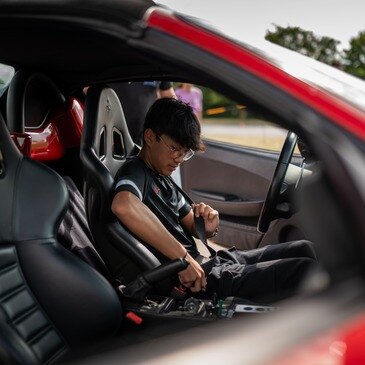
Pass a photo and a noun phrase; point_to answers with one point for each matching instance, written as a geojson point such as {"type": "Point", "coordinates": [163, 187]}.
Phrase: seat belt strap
{"type": "Point", "coordinates": [199, 221]}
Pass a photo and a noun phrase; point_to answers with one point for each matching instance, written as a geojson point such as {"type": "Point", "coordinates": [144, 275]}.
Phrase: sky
{"type": "Point", "coordinates": [249, 19]}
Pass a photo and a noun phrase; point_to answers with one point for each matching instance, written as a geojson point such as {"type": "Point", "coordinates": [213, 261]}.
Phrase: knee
{"type": "Point", "coordinates": [296, 269]}
{"type": "Point", "coordinates": [308, 261]}
{"type": "Point", "coordinates": [305, 249]}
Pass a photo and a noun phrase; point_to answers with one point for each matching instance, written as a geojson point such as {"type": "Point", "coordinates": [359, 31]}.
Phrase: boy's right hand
{"type": "Point", "coordinates": [193, 277]}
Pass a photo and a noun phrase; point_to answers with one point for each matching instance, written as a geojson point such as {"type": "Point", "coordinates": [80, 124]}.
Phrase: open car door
{"type": "Point", "coordinates": [233, 176]}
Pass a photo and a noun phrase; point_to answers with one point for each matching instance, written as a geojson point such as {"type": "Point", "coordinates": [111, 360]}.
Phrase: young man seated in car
{"type": "Point", "coordinates": [148, 203]}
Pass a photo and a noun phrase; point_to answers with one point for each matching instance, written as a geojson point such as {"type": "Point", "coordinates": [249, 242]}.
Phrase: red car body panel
{"type": "Point", "coordinates": [61, 130]}
{"type": "Point", "coordinates": [341, 346]}
{"type": "Point", "coordinates": [346, 116]}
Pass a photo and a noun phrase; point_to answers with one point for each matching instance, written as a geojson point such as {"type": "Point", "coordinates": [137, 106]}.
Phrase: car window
{"type": "Point", "coordinates": [225, 120]}
{"type": "Point", "coordinates": [6, 74]}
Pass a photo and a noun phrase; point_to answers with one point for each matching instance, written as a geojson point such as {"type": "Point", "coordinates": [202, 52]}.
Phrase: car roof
{"type": "Point", "coordinates": [69, 40]}
{"type": "Point", "coordinates": [65, 38]}
{"type": "Point", "coordinates": [78, 43]}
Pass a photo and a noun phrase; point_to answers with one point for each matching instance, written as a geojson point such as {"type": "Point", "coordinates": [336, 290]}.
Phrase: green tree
{"type": "Point", "coordinates": [354, 59]}
{"type": "Point", "coordinates": [324, 49]}
{"type": "Point", "coordinates": [216, 105]}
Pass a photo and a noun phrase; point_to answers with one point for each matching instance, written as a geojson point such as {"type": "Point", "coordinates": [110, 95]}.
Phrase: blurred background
{"type": "Point", "coordinates": [329, 31]}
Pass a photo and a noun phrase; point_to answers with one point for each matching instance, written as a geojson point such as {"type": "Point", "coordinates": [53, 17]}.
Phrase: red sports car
{"type": "Point", "coordinates": [284, 160]}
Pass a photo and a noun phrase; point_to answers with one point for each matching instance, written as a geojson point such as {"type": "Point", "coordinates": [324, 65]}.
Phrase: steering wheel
{"type": "Point", "coordinates": [269, 211]}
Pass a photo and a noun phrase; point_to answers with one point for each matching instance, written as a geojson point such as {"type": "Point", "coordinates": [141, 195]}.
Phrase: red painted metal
{"type": "Point", "coordinates": [69, 120]}
{"type": "Point", "coordinates": [338, 111]}
{"type": "Point", "coordinates": [61, 130]}
{"type": "Point", "coordinates": [354, 339]}
{"type": "Point", "coordinates": [46, 144]}
{"type": "Point", "coordinates": [342, 346]}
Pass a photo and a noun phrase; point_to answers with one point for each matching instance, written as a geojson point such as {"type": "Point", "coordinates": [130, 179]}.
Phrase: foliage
{"type": "Point", "coordinates": [321, 48]}
{"type": "Point", "coordinates": [216, 105]}
{"type": "Point", "coordinates": [324, 49]}
{"type": "Point", "coordinates": [212, 99]}
{"type": "Point", "coordinates": [354, 59]}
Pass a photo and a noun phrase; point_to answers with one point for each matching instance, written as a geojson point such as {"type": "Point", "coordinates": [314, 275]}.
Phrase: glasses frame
{"type": "Point", "coordinates": [177, 152]}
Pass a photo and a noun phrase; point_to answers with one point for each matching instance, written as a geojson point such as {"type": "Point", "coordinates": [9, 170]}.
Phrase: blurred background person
{"type": "Point", "coordinates": [193, 96]}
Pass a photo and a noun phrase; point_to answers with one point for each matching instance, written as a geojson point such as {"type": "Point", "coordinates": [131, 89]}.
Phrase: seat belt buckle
{"type": "Point", "coordinates": [178, 292]}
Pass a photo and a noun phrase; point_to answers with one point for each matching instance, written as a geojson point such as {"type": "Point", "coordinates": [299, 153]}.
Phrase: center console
{"type": "Point", "coordinates": [194, 308]}
{"type": "Point", "coordinates": [136, 299]}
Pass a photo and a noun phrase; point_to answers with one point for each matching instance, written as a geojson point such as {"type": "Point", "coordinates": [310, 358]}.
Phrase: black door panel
{"type": "Point", "coordinates": [228, 204]}
{"type": "Point", "coordinates": [233, 180]}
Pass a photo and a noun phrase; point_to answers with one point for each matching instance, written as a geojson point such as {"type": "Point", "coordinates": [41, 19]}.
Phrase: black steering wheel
{"type": "Point", "coordinates": [269, 208]}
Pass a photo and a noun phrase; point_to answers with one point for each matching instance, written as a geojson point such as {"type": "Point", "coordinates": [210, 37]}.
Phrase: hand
{"type": "Point", "coordinates": [193, 276]}
{"type": "Point", "coordinates": [210, 216]}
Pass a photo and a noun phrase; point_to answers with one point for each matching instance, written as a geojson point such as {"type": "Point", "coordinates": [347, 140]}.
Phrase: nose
{"type": "Point", "coordinates": [179, 158]}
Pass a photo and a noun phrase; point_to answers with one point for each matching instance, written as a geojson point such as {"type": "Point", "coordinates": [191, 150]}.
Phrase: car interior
{"type": "Point", "coordinates": [60, 128]}
{"type": "Point", "coordinates": [63, 136]}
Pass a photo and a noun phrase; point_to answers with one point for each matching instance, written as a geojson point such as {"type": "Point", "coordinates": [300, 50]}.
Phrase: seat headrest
{"type": "Point", "coordinates": [33, 197]}
{"type": "Point", "coordinates": [105, 128]}
{"type": "Point", "coordinates": [30, 98]}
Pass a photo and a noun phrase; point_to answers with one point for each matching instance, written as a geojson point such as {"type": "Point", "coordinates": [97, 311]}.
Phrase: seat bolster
{"type": "Point", "coordinates": [27, 334]}
{"type": "Point", "coordinates": [14, 349]}
{"type": "Point", "coordinates": [80, 302]}
{"type": "Point", "coordinates": [40, 202]}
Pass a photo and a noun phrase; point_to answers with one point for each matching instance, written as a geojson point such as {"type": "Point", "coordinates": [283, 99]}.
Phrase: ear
{"type": "Point", "coordinates": [149, 136]}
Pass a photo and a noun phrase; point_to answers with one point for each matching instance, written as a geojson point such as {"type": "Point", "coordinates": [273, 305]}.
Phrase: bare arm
{"type": "Point", "coordinates": [141, 221]}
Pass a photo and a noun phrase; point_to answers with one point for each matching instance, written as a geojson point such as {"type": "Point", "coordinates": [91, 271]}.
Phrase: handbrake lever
{"type": "Point", "coordinates": [165, 270]}
{"type": "Point", "coordinates": [139, 287]}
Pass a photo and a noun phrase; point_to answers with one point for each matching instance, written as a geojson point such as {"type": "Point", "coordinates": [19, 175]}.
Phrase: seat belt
{"type": "Point", "coordinates": [200, 230]}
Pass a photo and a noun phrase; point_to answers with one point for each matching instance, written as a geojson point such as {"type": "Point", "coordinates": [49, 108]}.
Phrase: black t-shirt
{"type": "Point", "coordinates": [161, 197]}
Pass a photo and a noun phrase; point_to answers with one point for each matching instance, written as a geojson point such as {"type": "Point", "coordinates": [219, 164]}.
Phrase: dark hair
{"type": "Point", "coordinates": [175, 119]}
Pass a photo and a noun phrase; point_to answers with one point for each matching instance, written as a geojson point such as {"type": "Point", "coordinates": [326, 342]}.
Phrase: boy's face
{"type": "Point", "coordinates": [166, 155]}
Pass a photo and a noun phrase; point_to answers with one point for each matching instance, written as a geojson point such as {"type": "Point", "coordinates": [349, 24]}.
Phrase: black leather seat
{"type": "Point", "coordinates": [105, 145]}
{"type": "Point", "coordinates": [32, 99]}
{"type": "Point", "coordinates": [31, 96]}
{"type": "Point", "coordinates": [50, 301]}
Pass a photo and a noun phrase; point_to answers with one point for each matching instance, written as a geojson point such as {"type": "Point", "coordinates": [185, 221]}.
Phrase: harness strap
{"type": "Point", "coordinates": [200, 229]}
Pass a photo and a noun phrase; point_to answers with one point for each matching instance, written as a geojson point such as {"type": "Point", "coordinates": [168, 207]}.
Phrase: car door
{"type": "Point", "coordinates": [234, 172]}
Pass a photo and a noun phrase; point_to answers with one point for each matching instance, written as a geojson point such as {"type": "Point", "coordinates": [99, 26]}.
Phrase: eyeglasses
{"type": "Point", "coordinates": [187, 154]}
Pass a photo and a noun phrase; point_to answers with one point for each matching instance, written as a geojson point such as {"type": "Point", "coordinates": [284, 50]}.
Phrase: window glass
{"type": "Point", "coordinates": [224, 120]}
{"type": "Point", "coordinates": [6, 74]}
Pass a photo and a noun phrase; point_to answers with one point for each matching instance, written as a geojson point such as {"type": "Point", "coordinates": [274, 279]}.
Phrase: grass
{"type": "Point", "coordinates": [235, 121]}
{"type": "Point", "coordinates": [267, 143]}
{"type": "Point", "coordinates": [259, 140]}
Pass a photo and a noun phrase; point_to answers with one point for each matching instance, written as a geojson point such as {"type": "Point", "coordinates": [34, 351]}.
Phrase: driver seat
{"type": "Point", "coordinates": [105, 146]}
{"type": "Point", "coordinates": [50, 301]}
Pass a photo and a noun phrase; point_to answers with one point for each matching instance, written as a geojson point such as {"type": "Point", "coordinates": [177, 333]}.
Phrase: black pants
{"type": "Point", "coordinates": [263, 275]}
